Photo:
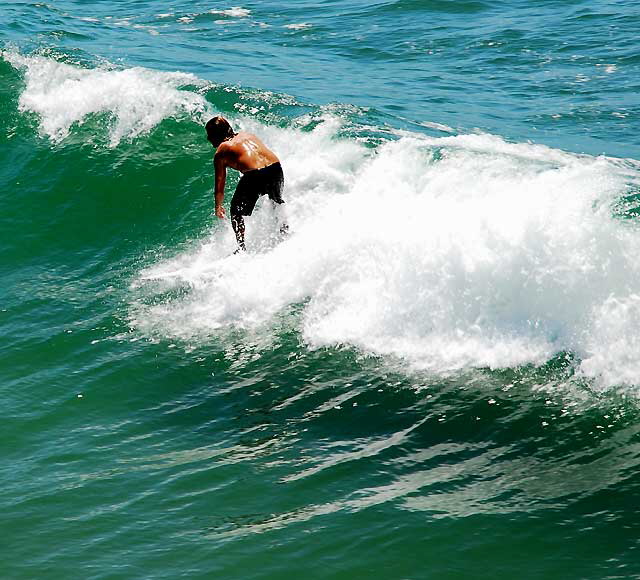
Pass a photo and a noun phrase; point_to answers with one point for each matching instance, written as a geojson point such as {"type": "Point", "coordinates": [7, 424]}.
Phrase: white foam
{"type": "Point", "coordinates": [453, 252]}
{"type": "Point", "coordinates": [234, 12]}
{"type": "Point", "coordinates": [613, 341]}
{"type": "Point", "coordinates": [298, 26]}
{"type": "Point", "coordinates": [137, 99]}
{"type": "Point", "coordinates": [437, 126]}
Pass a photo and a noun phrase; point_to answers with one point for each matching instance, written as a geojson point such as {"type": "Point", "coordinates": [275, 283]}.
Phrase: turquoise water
{"type": "Point", "coordinates": [435, 375]}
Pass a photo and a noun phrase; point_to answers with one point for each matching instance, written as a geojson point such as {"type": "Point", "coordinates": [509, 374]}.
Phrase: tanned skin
{"type": "Point", "coordinates": [242, 152]}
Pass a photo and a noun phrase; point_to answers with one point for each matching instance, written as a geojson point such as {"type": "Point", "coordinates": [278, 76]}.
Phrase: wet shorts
{"type": "Point", "coordinates": [266, 181]}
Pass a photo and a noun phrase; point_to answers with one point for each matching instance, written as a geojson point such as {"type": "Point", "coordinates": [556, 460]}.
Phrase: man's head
{"type": "Point", "coordinates": [218, 129]}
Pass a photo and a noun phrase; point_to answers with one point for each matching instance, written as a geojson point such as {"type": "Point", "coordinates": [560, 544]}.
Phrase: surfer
{"type": "Point", "coordinates": [260, 168]}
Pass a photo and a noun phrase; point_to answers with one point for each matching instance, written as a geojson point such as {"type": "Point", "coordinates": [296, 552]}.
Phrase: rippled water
{"type": "Point", "coordinates": [434, 376]}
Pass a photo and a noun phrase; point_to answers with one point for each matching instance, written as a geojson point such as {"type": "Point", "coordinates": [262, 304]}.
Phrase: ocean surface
{"type": "Point", "coordinates": [436, 375]}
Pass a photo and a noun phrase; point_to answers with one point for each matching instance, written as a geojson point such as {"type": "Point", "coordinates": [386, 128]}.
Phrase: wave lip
{"type": "Point", "coordinates": [136, 99]}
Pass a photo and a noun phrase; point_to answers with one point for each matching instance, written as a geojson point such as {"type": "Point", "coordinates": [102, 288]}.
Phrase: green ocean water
{"type": "Point", "coordinates": [434, 376]}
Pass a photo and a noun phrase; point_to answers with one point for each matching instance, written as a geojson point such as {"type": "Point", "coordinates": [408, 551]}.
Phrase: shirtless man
{"type": "Point", "coordinates": [260, 168]}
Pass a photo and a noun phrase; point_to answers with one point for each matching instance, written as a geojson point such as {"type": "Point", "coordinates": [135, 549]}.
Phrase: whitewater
{"type": "Point", "coordinates": [446, 252]}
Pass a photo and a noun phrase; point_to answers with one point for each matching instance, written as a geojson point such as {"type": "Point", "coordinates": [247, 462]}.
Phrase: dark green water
{"type": "Point", "coordinates": [434, 376]}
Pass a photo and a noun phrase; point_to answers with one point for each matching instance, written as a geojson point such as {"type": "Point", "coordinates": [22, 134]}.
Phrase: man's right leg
{"type": "Point", "coordinates": [237, 223]}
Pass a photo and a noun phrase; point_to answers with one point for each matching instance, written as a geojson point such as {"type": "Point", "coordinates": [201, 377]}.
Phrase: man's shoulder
{"type": "Point", "coordinates": [223, 150]}
{"type": "Point", "coordinates": [244, 136]}
{"type": "Point", "coordinates": [235, 144]}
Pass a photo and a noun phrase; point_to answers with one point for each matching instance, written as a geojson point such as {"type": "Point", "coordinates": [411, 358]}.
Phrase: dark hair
{"type": "Point", "coordinates": [218, 129]}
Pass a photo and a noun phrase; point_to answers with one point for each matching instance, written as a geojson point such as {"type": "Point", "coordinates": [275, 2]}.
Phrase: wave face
{"type": "Point", "coordinates": [434, 375]}
{"type": "Point", "coordinates": [448, 253]}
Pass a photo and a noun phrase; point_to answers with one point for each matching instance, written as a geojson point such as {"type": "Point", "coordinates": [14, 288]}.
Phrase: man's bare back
{"type": "Point", "coordinates": [245, 152]}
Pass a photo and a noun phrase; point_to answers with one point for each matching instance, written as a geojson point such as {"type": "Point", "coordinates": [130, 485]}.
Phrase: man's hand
{"type": "Point", "coordinates": [220, 212]}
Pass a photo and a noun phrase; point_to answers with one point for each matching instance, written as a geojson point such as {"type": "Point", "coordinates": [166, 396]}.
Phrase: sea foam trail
{"type": "Point", "coordinates": [452, 252]}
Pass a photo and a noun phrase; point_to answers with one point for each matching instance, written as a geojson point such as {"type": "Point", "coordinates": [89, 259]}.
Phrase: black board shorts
{"type": "Point", "coordinates": [266, 181]}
